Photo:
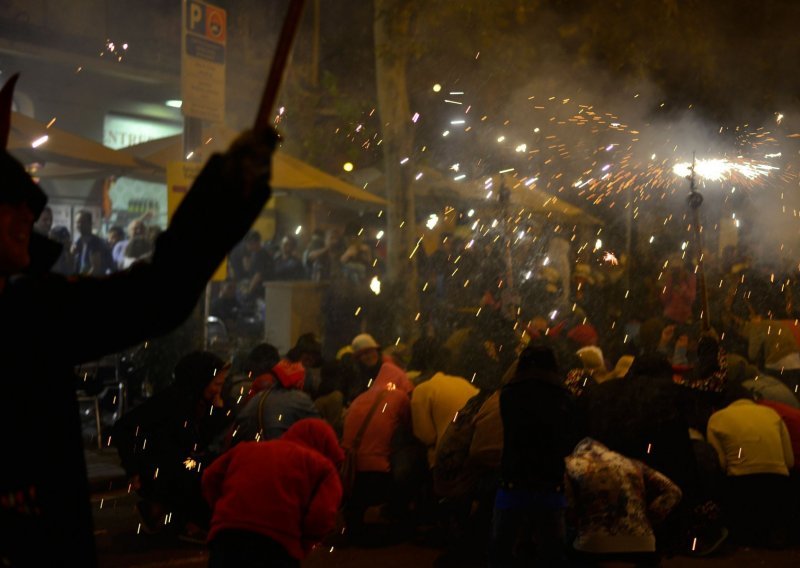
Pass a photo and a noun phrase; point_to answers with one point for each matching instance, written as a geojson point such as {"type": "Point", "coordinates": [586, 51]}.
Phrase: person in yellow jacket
{"type": "Point", "coordinates": [755, 451]}
{"type": "Point", "coordinates": [434, 405]}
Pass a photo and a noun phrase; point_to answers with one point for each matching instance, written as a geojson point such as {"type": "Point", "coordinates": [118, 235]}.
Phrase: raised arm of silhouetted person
{"type": "Point", "coordinates": [48, 323]}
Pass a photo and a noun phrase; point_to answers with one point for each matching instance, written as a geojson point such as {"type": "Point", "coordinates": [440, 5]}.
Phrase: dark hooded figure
{"type": "Point", "coordinates": [540, 428]}
{"type": "Point", "coordinates": [165, 442]}
{"type": "Point", "coordinates": [45, 515]}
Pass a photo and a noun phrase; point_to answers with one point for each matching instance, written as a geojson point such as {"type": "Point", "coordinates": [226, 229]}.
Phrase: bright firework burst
{"type": "Point", "coordinates": [721, 169]}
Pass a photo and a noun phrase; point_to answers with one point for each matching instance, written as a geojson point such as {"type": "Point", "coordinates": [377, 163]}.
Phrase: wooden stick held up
{"type": "Point", "coordinates": [275, 78]}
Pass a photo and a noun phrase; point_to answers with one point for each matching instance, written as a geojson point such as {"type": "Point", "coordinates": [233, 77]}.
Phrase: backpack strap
{"type": "Point", "coordinates": [363, 428]}
{"type": "Point", "coordinates": [261, 402]}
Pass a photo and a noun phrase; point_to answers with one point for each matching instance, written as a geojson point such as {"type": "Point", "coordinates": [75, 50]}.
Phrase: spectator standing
{"type": "Point", "coordinates": [66, 262]}
{"type": "Point", "coordinates": [287, 264]}
{"type": "Point", "coordinates": [92, 257]}
{"type": "Point", "coordinates": [251, 265]}
{"type": "Point", "coordinates": [44, 224]}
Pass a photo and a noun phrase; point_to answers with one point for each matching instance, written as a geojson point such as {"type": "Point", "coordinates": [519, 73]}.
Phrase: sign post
{"type": "Point", "coordinates": [203, 42]}
{"type": "Point", "coordinates": [203, 61]}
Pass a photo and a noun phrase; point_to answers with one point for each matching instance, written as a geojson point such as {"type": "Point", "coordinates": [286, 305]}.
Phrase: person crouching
{"type": "Point", "coordinates": [274, 501]}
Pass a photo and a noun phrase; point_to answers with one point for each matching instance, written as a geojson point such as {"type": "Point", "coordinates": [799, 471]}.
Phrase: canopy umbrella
{"type": "Point", "coordinates": [288, 172]}
{"type": "Point", "coordinates": [32, 141]}
{"type": "Point", "coordinates": [433, 187]}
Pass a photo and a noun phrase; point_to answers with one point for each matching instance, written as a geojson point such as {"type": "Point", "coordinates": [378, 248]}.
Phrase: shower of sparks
{"type": "Point", "coordinates": [721, 169]}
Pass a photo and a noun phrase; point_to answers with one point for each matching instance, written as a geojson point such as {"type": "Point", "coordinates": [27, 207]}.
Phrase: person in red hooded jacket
{"type": "Point", "coordinates": [374, 481]}
{"type": "Point", "coordinates": [274, 501]}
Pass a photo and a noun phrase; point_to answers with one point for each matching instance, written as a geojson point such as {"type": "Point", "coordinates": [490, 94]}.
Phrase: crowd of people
{"type": "Point", "coordinates": [512, 444]}
{"type": "Point", "coordinates": [567, 420]}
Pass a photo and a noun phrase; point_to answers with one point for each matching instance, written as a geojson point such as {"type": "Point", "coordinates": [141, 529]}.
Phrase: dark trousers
{"type": "Point", "coordinates": [527, 530]}
{"type": "Point", "coordinates": [245, 549]}
{"type": "Point", "coordinates": [758, 507]}
{"type": "Point", "coordinates": [370, 488]}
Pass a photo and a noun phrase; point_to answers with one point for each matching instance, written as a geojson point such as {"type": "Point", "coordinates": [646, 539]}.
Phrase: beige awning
{"type": "Point", "coordinates": [442, 190]}
{"type": "Point", "coordinates": [288, 172]}
{"type": "Point", "coordinates": [63, 148]}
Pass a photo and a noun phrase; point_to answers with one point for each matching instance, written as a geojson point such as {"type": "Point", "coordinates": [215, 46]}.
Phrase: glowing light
{"type": "Point", "coordinates": [348, 166]}
{"type": "Point", "coordinates": [379, 236]}
{"type": "Point", "coordinates": [546, 261]}
{"type": "Point", "coordinates": [39, 141]}
{"type": "Point", "coordinates": [598, 244]}
{"type": "Point", "coordinates": [437, 87]}
{"type": "Point", "coordinates": [404, 161]}
{"type": "Point", "coordinates": [298, 230]}
{"type": "Point", "coordinates": [375, 285]}
{"type": "Point", "coordinates": [610, 258]}
{"type": "Point", "coordinates": [536, 130]}
{"type": "Point", "coordinates": [458, 121]}
{"type": "Point", "coordinates": [470, 213]}
{"type": "Point", "coordinates": [718, 169]}
{"type": "Point", "coordinates": [415, 118]}
{"type": "Point", "coordinates": [174, 103]}
{"type": "Point", "coordinates": [459, 177]}
{"type": "Point", "coordinates": [432, 221]}
{"type": "Point", "coordinates": [445, 134]}
{"type": "Point", "coordinates": [521, 148]}
{"type": "Point", "coordinates": [501, 138]}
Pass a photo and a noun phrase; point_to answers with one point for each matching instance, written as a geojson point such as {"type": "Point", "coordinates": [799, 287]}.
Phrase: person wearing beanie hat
{"type": "Point", "coordinates": [363, 343]}
{"type": "Point", "coordinates": [37, 305]}
{"type": "Point", "coordinates": [172, 433]}
{"type": "Point", "coordinates": [274, 501]}
{"type": "Point", "coordinates": [367, 362]}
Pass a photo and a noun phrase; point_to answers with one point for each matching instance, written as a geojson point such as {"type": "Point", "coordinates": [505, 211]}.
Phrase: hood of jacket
{"type": "Point", "coordinates": [290, 374]}
{"type": "Point", "coordinates": [316, 434]}
{"type": "Point", "coordinates": [393, 377]}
